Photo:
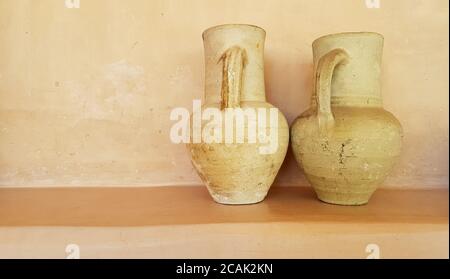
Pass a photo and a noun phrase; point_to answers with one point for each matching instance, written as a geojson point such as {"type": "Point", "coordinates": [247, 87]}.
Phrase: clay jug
{"type": "Point", "coordinates": [237, 172]}
{"type": "Point", "coordinates": [346, 142]}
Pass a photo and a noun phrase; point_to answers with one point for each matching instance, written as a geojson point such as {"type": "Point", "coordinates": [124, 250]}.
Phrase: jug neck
{"type": "Point", "coordinates": [356, 82]}
{"type": "Point", "coordinates": [221, 39]}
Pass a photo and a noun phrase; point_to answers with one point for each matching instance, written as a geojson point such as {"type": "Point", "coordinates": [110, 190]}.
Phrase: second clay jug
{"type": "Point", "coordinates": [237, 172]}
{"type": "Point", "coordinates": [346, 143]}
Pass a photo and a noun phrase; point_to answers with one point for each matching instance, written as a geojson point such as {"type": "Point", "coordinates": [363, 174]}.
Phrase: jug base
{"type": "Point", "coordinates": [239, 198]}
{"type": "Point", "coordinates": [344, 198]}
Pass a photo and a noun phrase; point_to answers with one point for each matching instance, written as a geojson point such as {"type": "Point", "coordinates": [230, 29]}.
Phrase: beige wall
{"type": "Point", "coordinates": [86, 93]}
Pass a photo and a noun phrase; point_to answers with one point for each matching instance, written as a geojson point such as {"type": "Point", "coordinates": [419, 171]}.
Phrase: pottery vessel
{"type": "Point", "coordinates": [237, 172]}
{"type": "Point", "coordinates": [346, 143]}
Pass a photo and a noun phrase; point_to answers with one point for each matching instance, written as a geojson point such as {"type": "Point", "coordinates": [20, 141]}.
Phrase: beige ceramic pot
{"type": "Point", "coordinates": [346, 142]}
{"type": "Point", "coordinates": [238, 172]}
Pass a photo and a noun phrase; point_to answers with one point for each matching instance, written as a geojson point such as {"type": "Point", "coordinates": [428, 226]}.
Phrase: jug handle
{"type": "Point", "coordinates": [323, 77]}
{"type": "Point", "coordinates": [234, 60]}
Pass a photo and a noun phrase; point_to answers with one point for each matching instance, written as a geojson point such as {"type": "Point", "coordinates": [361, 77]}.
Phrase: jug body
{"type": "Point", "coordinates": [346, 143]}
{"type": "Point", "coordinates": [237, 170]}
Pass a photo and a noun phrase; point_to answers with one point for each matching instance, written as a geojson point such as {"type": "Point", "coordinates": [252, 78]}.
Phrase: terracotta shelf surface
{"type": "Point", "coordinates": [184, 222]}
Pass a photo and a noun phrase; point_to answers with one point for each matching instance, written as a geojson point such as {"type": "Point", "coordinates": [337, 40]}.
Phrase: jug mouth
{"type": "Point", "coordinates": [229, 26]}
{"type": "Point", "coordinates": [347, 34]}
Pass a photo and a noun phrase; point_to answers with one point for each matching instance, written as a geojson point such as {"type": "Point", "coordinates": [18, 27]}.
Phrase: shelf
{"type": "Point", "coordinates": [172, 222]}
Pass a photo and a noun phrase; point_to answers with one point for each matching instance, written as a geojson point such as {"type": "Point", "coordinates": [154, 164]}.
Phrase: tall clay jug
{"type": "Point", "coordinates": [237, 171]}
{"type": "Point", "coordinates": [346, 142]}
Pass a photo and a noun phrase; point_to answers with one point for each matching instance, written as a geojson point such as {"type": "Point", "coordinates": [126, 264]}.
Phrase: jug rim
{"type": "Point", "coordinates": [230, 25]}
{"type": "Point", "coordinates": [349, 34]}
